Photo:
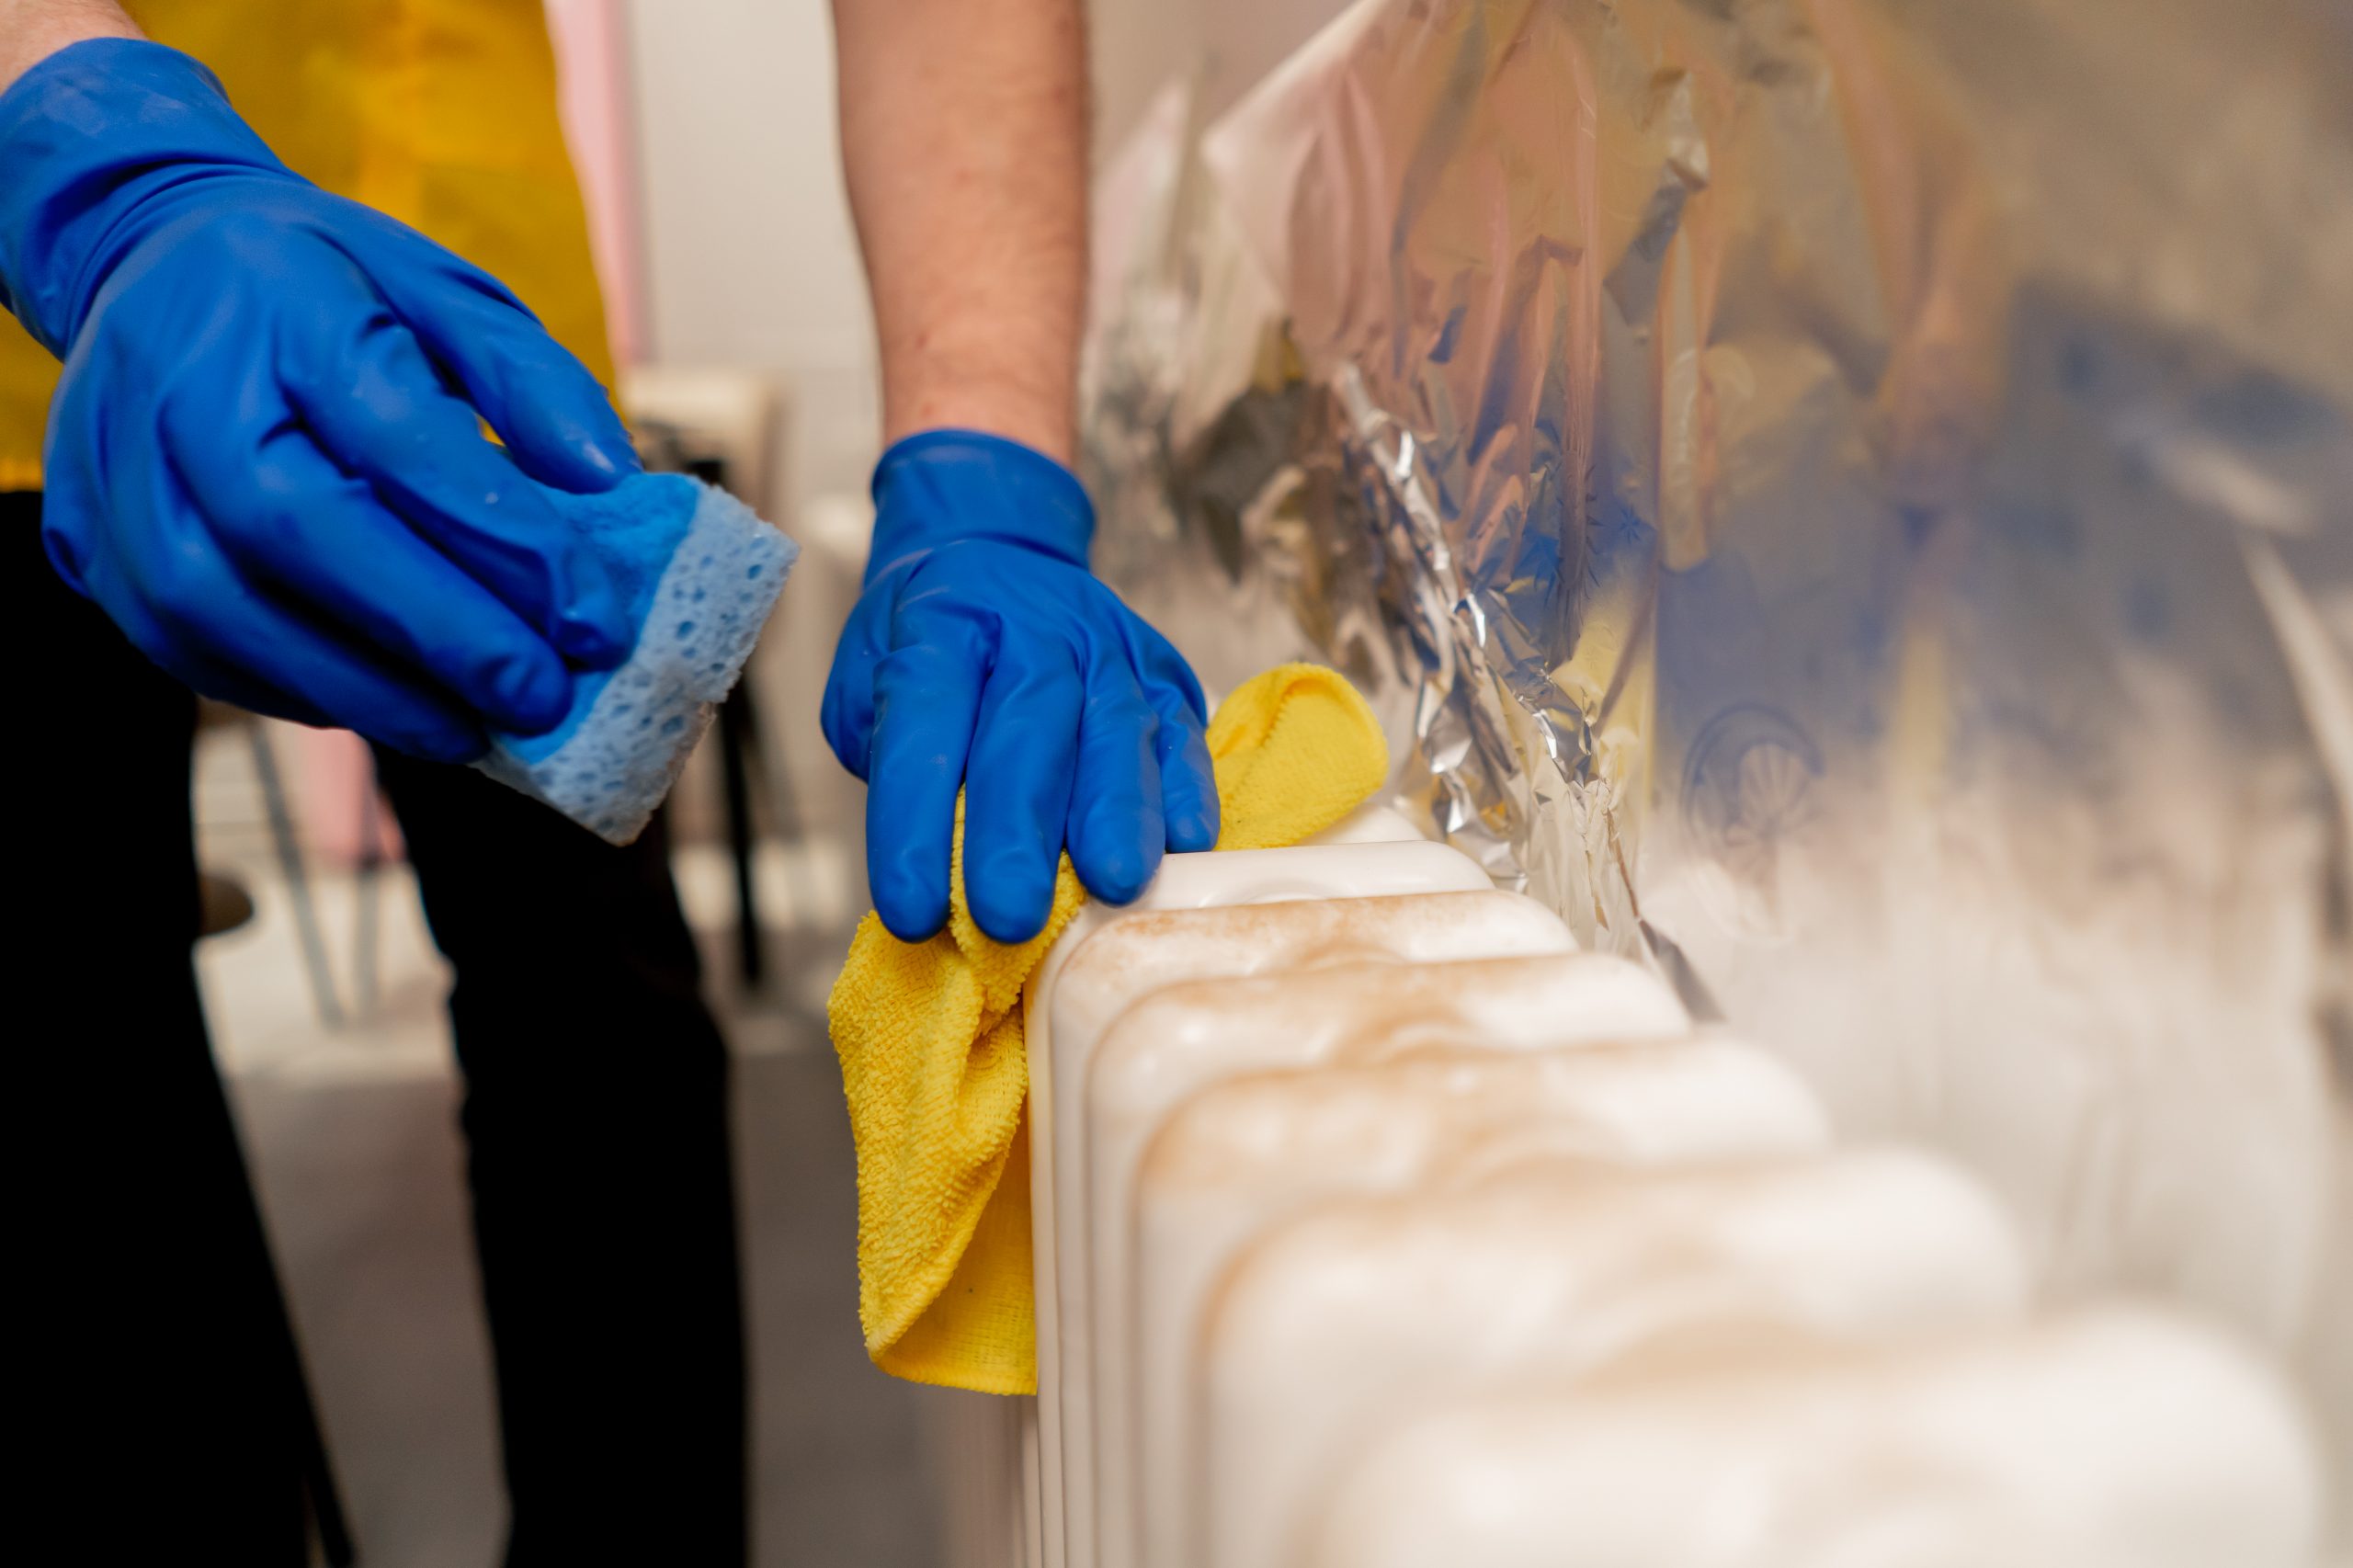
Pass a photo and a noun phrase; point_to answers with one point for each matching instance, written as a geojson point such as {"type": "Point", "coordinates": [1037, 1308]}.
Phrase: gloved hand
{"type": "Point", "coordinates": [982, 652]}
{"type": "Point", "coordinates": [264, 461]}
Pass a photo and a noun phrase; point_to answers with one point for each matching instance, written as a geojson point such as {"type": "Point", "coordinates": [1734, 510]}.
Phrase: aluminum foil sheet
{"type": "Point", "coordinates": [1850, 498]}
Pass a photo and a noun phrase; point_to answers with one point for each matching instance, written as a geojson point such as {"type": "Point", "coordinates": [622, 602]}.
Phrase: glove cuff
{"type": "Point", "coordinates": [938, 485]}
{"type": "Point", "coordinates": [86, 136]}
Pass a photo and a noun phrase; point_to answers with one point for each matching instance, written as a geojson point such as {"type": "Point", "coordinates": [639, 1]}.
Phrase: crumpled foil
{"type": "Point", "coordinates": [1851, 500]}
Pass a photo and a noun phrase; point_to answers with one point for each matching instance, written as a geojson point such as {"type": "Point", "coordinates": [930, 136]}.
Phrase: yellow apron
{"type": "Point", "coordinates": [441, 113]}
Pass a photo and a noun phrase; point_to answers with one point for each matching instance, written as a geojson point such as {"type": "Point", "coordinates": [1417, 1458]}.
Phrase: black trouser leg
{"type": "Point", "coordinates": [157, 1401]}
{"type": "Point", "coordinates": [596, 1112]}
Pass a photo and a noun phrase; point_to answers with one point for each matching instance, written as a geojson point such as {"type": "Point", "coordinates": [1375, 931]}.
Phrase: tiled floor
{"type": "Point", "coordinates": [353, 1132]}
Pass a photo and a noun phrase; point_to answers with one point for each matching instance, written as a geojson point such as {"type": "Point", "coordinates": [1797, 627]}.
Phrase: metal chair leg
{"type": "Point", "coordinates": [738, 741]}
{"type": "Point", "coordinates": [368, 888]}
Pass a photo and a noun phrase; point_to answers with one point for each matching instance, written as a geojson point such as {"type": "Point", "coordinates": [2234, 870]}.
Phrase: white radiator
{"type": "Point", "coordinates": [1377, 1225]}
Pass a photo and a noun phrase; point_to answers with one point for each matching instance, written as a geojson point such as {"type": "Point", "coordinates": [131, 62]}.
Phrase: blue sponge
{"type": "Point", "coordinates": [701, 574]}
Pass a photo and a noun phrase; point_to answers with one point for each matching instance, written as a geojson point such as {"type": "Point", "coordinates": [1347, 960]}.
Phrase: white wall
{"type": "Point", "coordinates": [749, 254]}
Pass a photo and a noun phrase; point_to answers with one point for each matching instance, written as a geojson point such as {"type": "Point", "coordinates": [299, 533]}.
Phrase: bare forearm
{"type": "Point", "coordinates": [31, 31]}
{"type": "Point", "coordinates": [965, 142]}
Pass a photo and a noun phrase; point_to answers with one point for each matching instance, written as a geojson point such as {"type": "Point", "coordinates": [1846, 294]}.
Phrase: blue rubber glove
{"type": "Point", "coordinates": [264, 461]}
{"type": "Point", "coordinates": [983, 651]}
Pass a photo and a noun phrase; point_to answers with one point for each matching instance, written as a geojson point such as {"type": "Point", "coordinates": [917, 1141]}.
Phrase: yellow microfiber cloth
{"type": "Point", "coordinates": [929, 1036]}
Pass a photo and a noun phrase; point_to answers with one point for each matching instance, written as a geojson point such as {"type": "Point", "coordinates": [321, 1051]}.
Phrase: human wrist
{"type": "Point", "coordinates": [979, 359]}
{"type": "Point", "coordinates": [1042, 418]}
{"type": "Point", "coordinates": [935, 486]}
{"type": "Point", "coordinates": [91, 132]}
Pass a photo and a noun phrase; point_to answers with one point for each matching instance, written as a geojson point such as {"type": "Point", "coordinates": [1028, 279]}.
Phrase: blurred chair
{"type": "Point", "coordinates": [719, 426]}
{"type": "Point", "coordinates": [723, 427]}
